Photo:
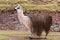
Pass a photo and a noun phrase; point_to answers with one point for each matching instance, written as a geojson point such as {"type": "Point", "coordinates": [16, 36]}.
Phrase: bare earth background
{"type": "Point", "coordinates": [9, 20]}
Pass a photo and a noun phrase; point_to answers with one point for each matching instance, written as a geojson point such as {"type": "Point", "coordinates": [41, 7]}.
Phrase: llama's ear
{"type": "Point", "coordinates": [18, 4]}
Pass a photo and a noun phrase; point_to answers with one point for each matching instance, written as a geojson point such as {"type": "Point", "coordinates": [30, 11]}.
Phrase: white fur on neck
{"type": "Point", "coordinates": [20, 13]}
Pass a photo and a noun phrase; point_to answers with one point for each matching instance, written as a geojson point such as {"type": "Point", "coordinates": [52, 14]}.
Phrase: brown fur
{"type": "Point", "coordinates": [40, 23]}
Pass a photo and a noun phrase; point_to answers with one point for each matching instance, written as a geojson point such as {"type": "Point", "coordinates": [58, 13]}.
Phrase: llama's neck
{"type": "Point", "coordinates": [20, 13]}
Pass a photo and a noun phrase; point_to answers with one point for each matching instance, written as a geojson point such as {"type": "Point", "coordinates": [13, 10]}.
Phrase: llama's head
{"type": "Point", "coordinates": [18, 7]}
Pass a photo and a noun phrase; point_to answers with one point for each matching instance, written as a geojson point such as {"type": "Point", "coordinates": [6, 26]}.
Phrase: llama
{"type": "Point", "coordinates": [25, 20]}
{"type": "Point", "coordinates": [41, 23]}
{"type": "Point", "coordinates": [34, 23]}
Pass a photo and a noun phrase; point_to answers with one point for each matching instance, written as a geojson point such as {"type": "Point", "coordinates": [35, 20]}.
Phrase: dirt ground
{"type": "Point", "coordinates": [25, 38]}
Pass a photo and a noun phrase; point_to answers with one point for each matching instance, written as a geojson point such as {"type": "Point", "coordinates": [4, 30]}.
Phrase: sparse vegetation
{"type": "Point", "coordinates": [10, 34]}
{"type": "Point", "coordinates": [28, 5]}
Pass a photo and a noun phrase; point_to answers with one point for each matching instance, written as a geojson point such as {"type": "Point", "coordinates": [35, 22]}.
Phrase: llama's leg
{"type": "Point", "coordinates": [46, 35]}
{"type": "Point", "coordinates": [29, 30]}
{"type": "Point", "coordinates": [46, 31]}
{"type": "Point", "coordinates": [27, 24]}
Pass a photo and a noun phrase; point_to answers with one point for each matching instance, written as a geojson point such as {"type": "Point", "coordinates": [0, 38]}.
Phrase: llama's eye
{"type": "Point", "coordinates": [18, 8]}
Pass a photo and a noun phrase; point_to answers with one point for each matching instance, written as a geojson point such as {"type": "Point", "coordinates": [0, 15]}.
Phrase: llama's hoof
{"type": "Point", "coordinates": [45, 38]}
{"type": "Point", "coordinates": [30, 37]}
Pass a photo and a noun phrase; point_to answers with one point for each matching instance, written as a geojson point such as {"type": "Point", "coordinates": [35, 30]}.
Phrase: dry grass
{"type": "Point", "coordinates": [9, 34]}
{"type": "Point", "coordinates": [27, 5]}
